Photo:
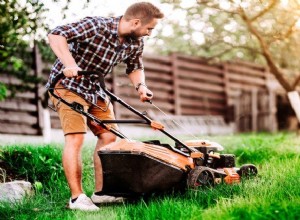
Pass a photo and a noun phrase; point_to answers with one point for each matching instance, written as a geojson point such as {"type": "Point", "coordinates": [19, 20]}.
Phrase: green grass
{"type": "Point", "coordinates": [273, 194]}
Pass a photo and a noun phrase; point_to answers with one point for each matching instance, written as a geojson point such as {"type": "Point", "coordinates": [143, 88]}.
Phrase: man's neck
{"type": "Point", "coordinates": [122, 30]}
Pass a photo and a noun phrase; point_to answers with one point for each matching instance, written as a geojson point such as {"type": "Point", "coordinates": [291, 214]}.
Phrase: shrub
{"type": "Point", "coordinates": [32, 163]}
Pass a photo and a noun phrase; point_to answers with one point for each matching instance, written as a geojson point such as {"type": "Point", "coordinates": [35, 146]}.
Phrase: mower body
{"type": "Point", "coordinates": [136, 168]}
{"type": "Point", "coordinates": [132, 168]}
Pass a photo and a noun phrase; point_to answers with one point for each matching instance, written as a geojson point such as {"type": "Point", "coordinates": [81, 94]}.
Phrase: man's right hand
{"type": "Point", "coordinates": [71, 71]}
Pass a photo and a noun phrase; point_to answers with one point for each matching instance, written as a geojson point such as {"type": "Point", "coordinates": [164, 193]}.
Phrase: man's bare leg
{"type": "Point", "coordinates": [72, 162]}
{"type": "Point", "coordinates": [104, 139]}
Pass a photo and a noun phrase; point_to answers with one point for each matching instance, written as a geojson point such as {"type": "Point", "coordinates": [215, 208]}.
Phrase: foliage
{"type": "Point", "coordinates": [272, 195]}
{"type": "Point", "coordinates": [19, 22]}
{"type": "Point", "coordinates": [32, 163]}
{"type": "Point", "coordinates": [46, 52]}
{"type": "Point", "coordinates": [2, 91]}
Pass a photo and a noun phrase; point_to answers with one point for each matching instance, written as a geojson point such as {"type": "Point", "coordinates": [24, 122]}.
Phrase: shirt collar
{"type": "Point", "coordinates": [115, 25]}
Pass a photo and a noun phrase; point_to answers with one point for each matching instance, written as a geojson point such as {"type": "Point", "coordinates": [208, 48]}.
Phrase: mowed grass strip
{"type": "Point", "coordinates": [273, 194]}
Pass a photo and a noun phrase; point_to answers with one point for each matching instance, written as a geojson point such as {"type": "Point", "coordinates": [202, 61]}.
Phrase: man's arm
{"type": "Point", "coordinates": [137, 78]}
{"type": "Point", "coordinates": [60, 48]}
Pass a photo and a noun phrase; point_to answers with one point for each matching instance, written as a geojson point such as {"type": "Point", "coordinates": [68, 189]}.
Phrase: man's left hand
{"type": "Point", "coordinates": [145, 94]}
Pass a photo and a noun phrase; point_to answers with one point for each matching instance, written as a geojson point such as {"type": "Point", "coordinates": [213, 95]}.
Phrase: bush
{"type": "Point", "coordinates": [32, 163]}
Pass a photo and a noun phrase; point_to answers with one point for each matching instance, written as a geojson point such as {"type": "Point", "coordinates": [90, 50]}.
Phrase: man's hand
{"type": "Point", "coordinates": [145, 93]}
{"type": "Point", "coordinates": [71, 71]}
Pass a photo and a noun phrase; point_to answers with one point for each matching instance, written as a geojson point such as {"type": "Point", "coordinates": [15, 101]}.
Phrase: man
{"type": "Point", "coordinates": [96, 44]}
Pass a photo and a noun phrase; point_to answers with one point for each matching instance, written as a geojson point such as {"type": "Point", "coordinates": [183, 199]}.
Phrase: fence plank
{"type": "Point", "coordinates": [199, 111]}
{"type": "Point", "coordinates": [199, 67]}
{"type": "Point", "coordinates": [199, 76]}
{"type": "Point", "coordinates": [155, 66]}
{"type": "Point", "coordinates": [17, 106]}
{"type": "Point", "coordinates": [200, 94]}
{"type": "Point", "coordinates": [248, 65]}
{"type": "Point", "coordinates": [248, 79]}
{"type": "Point", "coordinates": [13, 128]}
{"type": "Point", "coordinates": [243, 70]}
{"type": "Point", "coordinates": [150, 75]}
{"type": "Point", "coordinates": [200, 86]}
{"type": "Point", "coordinates": [18, 117]}
{"type": "Point", "coordinates": [176, 84]}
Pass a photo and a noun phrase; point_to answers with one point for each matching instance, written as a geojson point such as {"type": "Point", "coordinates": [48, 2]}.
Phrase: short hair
{"type": "Point", "coordinates": [145, 11]}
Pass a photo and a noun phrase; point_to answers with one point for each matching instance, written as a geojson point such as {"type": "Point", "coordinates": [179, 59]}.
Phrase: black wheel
{"type": "Point", "coordinates": [201, 177]}
{"type": "Point", "coordinates": [247, 170]}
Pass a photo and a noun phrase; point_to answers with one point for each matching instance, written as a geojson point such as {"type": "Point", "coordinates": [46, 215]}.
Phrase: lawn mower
{"type": "Point", "coordinates": [133, 167]}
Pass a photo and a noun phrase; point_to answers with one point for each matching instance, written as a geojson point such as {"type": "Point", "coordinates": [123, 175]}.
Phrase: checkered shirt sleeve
{"type": "Point", "coordinates": [80, 31]}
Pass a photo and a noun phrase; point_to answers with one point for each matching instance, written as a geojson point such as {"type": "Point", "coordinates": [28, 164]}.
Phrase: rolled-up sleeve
{"type": "Point", "coordinates": [78, 31]}
{"type": "Point", "coordinates": [135, 61]}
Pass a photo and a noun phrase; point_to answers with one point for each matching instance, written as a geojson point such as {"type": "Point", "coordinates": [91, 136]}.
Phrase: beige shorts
{"type": "Point", "coordinates": [73, 122]}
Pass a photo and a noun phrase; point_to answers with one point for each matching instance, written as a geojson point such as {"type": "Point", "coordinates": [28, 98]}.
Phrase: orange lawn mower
{"type": "Point", "coordinates": [135, 168]}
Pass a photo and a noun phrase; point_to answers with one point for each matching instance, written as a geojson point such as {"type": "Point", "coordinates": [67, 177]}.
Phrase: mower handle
{"type": "Point", "coordinates": [100, 76]}
{"type": "Point", "coordinates": [116, 98]}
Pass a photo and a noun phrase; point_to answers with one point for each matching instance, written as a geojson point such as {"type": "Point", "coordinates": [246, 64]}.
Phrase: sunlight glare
{"type": "Point", "coordinates": [225, 5]}
{"type": "Point", "coordinates": [284, 3]}
{"type": "Point", "coordinates": [198, 37]}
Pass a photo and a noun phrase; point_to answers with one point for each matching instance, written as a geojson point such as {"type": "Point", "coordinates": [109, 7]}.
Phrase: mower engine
{"type": "Point", "coordinates": [214, 168]}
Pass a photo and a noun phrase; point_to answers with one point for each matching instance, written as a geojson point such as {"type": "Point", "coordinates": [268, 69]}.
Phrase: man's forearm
{"type": "Point", "coordinates": [60, 47]}
{"type": "Point", "coordinates": [137, 77]}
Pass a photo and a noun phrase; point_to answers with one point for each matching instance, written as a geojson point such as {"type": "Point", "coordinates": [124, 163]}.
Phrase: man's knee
{"type": "Point", "coordinates": [107, 138]}
{"type": "Point", "coordinates": [74, 139]}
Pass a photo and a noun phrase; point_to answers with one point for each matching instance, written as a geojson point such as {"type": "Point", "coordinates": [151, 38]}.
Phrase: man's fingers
{"type": "Point", "coordinates": [68, 73]}
{"type": "Point", "coordinates": [149, 94]}
{"type": "Point", "coordinates": [75, 73]}
{"type": "Point", "coordinates": [71, 71]}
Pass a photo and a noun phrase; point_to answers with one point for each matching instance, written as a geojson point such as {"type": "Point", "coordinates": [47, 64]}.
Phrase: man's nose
{"type": "Point", "coordinates": [149, 32]}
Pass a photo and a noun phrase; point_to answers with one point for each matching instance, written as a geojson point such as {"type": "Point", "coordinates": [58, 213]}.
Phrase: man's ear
{"type": "Point", "coordinates": [135, 22]}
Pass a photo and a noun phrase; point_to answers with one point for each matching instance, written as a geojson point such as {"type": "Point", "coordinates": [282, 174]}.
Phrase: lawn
{"type": "Point", "coordinates": [273, 194]}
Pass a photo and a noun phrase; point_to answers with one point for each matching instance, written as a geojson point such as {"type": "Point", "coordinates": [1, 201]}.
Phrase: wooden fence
{"type": "Point", "coordinates": [23, 114]}
{"type": "Point", "coordinates": [182, 85]}
{"type": "Point", "coordinates": [185, 85]}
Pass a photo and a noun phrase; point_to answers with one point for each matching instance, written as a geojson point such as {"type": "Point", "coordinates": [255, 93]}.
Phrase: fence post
{"type": "Point", "coordinates": [230, 105]}
{"type": "Point", "coordinates": [273, 110]}
{"type": "Point", "coordinates": [237, 111]}
{"type": "Point", "coordinates": [226, 83]}
{"type": "Point", "coordinates": [44, 121]}
{"type": "Point", "coordinates": [38, 90]}
{"type": "Point", "coordinates": [177, 105]}
{"type": "Point", "coordinates": [254, 109]}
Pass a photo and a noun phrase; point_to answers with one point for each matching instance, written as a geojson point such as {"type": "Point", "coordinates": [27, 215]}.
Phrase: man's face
{"type": "Point", "coordinates": [140, 30]}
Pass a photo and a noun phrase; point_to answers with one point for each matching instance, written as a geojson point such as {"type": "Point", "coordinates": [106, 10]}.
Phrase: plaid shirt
{"type": "Point", "coordinates": [94, 44]}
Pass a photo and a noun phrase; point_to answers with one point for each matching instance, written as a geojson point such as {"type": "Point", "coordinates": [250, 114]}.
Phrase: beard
{"type": "Point", "coordinates": [135, 34]}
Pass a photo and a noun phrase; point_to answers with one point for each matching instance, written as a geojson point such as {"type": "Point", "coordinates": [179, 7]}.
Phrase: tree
{"type": "Point", "coordinates": [262, 31]}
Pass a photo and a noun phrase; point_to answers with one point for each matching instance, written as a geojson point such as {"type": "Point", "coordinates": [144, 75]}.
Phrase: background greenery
{"type": "Point", "coordinates": [274, 194]}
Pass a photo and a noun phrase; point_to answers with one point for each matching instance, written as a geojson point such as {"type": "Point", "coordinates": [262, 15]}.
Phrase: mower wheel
{"type": "Point", "coordinates": [247, 170]}
{"type": "Point", "coordinates": [201, 177]}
